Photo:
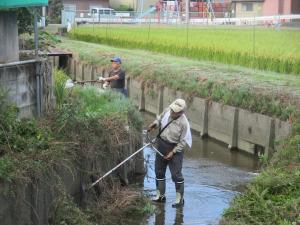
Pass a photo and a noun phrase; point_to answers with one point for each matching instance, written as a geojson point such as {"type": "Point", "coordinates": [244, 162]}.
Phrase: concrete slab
{"type": "Point", "coordinates": [220, 121]}
{"type": "Point", "coordinates": [253, 127]}
{"type": "Point", "coordinates": [9, 41]}
{"type": "Point", "coordinates": [136, 92]}
{"type": "Point", "coordinates": [87, 72]}
{"type": "Point", "coordinates": [195, 113]}
{"type": "Point", "coordinates": [79, 67]}
{"type": "Point", "coordinates": [72, 70]}
{"type": "Point", "coordinates": [152, 98]}
{"type": "Point", "coordinates": [282, 129]}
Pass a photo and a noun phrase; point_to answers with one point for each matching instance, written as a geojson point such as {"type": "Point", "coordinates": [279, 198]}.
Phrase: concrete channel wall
{"type": "Point", "coordinates": [250, 132]}
{"type": "Point", "coordinates": [33, 202]}
{"type": "Point", "coordinates": [29, 85]}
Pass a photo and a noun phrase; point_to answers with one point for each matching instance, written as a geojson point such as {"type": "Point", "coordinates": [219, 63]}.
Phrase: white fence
{"type": "Point", "coordinates": [173, 17]}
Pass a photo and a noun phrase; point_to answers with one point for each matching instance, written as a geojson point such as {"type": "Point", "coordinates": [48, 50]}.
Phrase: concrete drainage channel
{"type": "Point", "coordinates": [213, 176]}
{"type": "Point", "coordinates": [238, 128]}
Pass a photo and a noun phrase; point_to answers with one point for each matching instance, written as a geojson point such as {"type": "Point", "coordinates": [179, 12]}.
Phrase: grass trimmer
{"type": "Point", "coordinates": [151, 142]}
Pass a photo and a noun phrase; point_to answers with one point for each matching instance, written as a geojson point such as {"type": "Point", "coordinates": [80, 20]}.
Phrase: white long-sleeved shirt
{"type": "Point", "coordinates": [176, 132]}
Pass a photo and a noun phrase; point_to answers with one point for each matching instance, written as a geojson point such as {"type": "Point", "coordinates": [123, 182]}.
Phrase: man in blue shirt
{"type": "Point", "coordinates": [116, 76]}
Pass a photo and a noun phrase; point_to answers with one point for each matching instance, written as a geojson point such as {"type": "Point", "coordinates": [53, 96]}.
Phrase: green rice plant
{"type": "Point", "coordinates": [60, 91]}
{"type": "Point", "coordinates": [273, 50]}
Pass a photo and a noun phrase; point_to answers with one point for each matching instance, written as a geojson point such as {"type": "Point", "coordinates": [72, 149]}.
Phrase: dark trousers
{"type": "Point", "coordinates": [121, 90]}
{"type": "Point", "coordinates": [175, 164]}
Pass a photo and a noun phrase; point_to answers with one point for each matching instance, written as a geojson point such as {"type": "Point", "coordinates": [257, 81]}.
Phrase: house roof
{"type": "Point", "coordinates": [21, 3]}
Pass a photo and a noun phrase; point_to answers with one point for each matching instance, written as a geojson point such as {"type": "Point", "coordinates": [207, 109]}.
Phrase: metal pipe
{"type": "Point", "coordinates": [155, 149]}
{"type": "Point", "coordinates": [36, 34]}
{"type": "Point", "coordinates": [41, 92]}
{"type": "Point", "coordinates": [187, 11]}
{"type": "Point", "coordinates": [37, 70]}
{"type": "Point", "coordinates": [38, 91]}
{"type": "Point", "coordinates": [151, 142]}
{"type": "Point", "coordinates": [117, 166]}
{"type": "Point", "coordinates": [18, 63]}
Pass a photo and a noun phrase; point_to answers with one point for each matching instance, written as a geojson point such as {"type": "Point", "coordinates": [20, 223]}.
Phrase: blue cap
{"type": "Point", "coordinates": [116, 60]}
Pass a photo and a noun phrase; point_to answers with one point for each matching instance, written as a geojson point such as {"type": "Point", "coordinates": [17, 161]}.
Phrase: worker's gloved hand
{"type": "Point", "coordinates": [69, 84]}
{"type": "Point", "coordinates": [101, 79]}
{"type": "Point", "coordinates": [105, 85]}
{"type": "Point", "coordinates": [151, 127]}
{"type": "Point", "coordinates": [169, 156]}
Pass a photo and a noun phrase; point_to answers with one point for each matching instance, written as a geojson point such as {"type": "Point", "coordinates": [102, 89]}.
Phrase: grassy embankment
{"type": "Point", "coordinates": [264, 49]}
{"type": "Point", "coordinates": [258, 91]}
{"type": "Point", "coordinates": [274, 196]}
{"type": "Point", "coordinates": [85, 126]}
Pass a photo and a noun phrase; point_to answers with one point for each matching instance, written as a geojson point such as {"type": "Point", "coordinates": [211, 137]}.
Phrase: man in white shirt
{"type": "Point", "coordinates": [174, 135]}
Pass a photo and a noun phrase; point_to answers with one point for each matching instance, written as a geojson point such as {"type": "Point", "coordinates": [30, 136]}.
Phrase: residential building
{"type": "Point", "coordinates": [250, 8]}
{"type": "Point", "coordinates": [84, 5]}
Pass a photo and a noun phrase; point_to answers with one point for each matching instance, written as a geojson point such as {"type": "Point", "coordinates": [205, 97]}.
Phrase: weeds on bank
{"type": "Point", "coordinates": [46, 40]}
{"type": "Point", "coordinates": [274, 196]}
{"type": "Point", "coordinates": [60, 91]}
{"type": "Point", "coordinates": [228, 90]}
{"type": "Point", "coordinates": [20, 141]}
{"type": "Point", "coordinates": [88, 126]}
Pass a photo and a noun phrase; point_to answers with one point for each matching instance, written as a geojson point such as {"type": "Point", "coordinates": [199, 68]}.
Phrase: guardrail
{"type": "Point", "coordinates": [173, 17]}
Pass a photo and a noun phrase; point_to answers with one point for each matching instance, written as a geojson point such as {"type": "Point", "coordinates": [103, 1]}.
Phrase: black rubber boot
{"type": "Point", "coordinates": [179, 202]}
{"type": "Point", "coordinates": [160, 192]}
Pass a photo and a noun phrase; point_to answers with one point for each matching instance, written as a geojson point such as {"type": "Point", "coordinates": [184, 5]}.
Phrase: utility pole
{"type": "Point", "coordinates": [43, 17]}
{"type": "Point", "coordinates": [187, 11]}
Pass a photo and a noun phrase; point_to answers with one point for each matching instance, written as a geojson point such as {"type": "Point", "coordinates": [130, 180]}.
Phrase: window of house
{"type": "Point", "coordinates": [69, 7]}
{"type": "Point", "coordinates": [248, 6]}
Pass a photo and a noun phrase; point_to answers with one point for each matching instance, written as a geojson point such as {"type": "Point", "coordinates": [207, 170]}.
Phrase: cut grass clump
{"type": "Point", "coordinates": [125, 206]}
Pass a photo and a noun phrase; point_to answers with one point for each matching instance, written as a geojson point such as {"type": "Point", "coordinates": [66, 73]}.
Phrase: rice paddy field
{"type": "Point", "coordinates": [261, 48]}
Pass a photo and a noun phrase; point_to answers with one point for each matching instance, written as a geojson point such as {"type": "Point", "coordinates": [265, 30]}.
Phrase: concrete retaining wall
{"type": "Point", "coordinates": [239, 128]}
{"type": "Point", "coordinates": [9, 42]}
{"type": "Point", "coordinates": [32, 203]}
{"type": "Point", "coordinates": [19, 79]}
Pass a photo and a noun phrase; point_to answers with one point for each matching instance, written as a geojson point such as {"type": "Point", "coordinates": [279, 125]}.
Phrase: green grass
{"type": "Point", "coordinates": [60, 91]}
{"type": "Point", "coordinates": [259, 91]}
{"type": "Point", "coordinates": [29, 147]}
{"type": "Point", "coordinates": [274, 196]}
{"type": "Point", "coordinates": [264, 49]}
{"type": "Point", "coordinates": [88, 126]}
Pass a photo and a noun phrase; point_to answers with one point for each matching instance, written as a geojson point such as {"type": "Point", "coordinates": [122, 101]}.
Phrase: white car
{"type": "Point", "coordinates": [96, 15]}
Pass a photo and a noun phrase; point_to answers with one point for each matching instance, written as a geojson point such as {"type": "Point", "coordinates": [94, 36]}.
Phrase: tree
{"type": "Point", "coordinates": [124, 8]}
{"type": "Point", "coordinates": [25, 20]}
{"type": "Point", "coordinates": [55, 7]}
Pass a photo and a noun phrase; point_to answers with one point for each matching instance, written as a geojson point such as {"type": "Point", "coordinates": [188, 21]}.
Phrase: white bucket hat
{"type": "Point", "coordinates": [178, 105]}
